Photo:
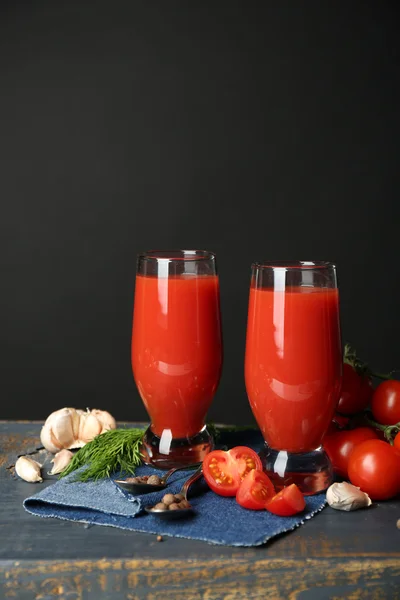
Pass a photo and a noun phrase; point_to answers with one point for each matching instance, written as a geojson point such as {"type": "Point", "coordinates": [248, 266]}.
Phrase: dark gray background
{"type": "Point", "coordinates": [254, 129]}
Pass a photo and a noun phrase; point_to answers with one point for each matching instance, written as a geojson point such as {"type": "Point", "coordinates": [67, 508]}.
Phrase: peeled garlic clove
{"type": "Point", "coordinates": [89, 427]}
{"type": "Point", "coordinates": [345, 496]}
{"type": "Point", "coordinates": [107, 421]}
{"type": "Point", "coordinates": [61, 461]}
{"type": "Point", "coordinates": [28, 469]}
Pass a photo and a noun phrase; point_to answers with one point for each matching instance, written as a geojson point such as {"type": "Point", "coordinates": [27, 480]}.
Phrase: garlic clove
{"type": "Point", "coordinates": [62, 427]}
{"type": "Point", "coordinates": [107, 421]}
{"type": "Point", "coordinates": [345, 496]}
{"type": "Point", "coordinates": [61, 461]}
{"type": "Point", "coordinates": [48, 440]}
{"type": "Point", "coordinates": [89, 427]}
{"type": "Point", "coordinates": [28, 469]}
{"type": "Point", "coordinates": [75, 420]}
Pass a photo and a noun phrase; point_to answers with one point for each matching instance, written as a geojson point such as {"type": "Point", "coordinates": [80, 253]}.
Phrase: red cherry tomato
{"type": "Point", "coordinates": [255, 490]}
{"type": "Point", "coordinates": [220, 471]}
{"type": "Point", "coordinates": [374, 467]}
{"type": "Point", "coordinates": [250, 458]}
{"type": "Point", "coordinates": [397, 441]}
{"type": "Point", "coordinates": [224, 471]}
{"type": "Point", "coordinates": [356, 391]}
{"type": "Point", "coordinates": [385, 403]}
{"type": "Point", "coordinates": [340, 445]}
{"type": "Point", "coordinates": [287, 502]}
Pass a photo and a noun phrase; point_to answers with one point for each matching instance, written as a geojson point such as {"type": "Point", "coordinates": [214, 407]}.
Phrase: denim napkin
{"type": "Point", "coordinates": [216, 519]}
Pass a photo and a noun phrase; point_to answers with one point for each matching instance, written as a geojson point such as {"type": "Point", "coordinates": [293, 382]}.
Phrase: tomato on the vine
{"type": "Point", "coordinates": [385, 403]}
{"type": "Point", "coordinates": [339, 446]}
{"type": "Point", "coordinates": [374, 467]}
{"type": "Point", "coordinates": [356, 391]}
{"type": "Point", "coordinates": [287, 502]}
{"type": "Point", "coordinates": [255, 490]}
{"type": "Point", "coordinates": [396, 442]}
{"type": "Point", "coordinates": [224, 471]}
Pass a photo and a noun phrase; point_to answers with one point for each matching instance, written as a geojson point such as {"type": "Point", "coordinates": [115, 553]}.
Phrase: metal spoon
{"type": "Point", "coordinates": [138, 489]}
{"type": "Point", "coordinates": [179, 513]}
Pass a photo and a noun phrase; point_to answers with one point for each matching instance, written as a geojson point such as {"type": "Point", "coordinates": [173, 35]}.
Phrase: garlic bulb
{"type": "Point", "coordinates": [28, 469]}
{"type": "Point", "coordinates": [61, 461]}
{"type": "Point", "coordinates": [70, 428]}
{"type": "Point", "coordinates": [345, 496]}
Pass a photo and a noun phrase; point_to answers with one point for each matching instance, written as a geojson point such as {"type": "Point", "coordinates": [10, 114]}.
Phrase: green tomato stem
{"type": "Point", "coordinates": [389, 431]}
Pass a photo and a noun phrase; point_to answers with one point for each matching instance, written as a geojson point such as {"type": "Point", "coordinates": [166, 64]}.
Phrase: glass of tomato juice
{"type": "Point", "coordinates": [293, 367]}
{"type": "Point", "coordinates": [176, 352]}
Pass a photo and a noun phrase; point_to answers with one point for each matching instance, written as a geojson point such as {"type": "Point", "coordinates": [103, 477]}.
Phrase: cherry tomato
{"type": "Point", "coordinates": [385, 403]}
{"type": "Point", "coordinates": [340, 445]}
{"type": "Point", "coordinates": [374, 467]}
{"type": "Point", "coordinates": [356, 392]}
{"type": "Point", "coordinates": [250, 458]}
{"type": "Point", "coordinates": [224, 471]}
{"type": "Point", "coordinates": [397, 441]}
{"type": "Point", "coordinates": [221, 472]}
{"type": "Point", "coordinates": [287, 502]}
{"type": "Point", "coordinates": [255, 490]}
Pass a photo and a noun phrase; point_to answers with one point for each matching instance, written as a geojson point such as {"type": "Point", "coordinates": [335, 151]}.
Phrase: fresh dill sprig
{"type": "Point", "coordinates": [117, 450]}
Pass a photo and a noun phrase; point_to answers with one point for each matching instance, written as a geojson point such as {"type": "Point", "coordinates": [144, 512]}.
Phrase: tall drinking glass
{"type": "Point", "coordinates": [293, 367]}
{"type": "Point", "coordinates": [176, 352]}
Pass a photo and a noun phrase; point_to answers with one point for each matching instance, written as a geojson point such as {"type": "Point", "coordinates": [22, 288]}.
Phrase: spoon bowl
{"type": "Point", "coordinates": [170, 515]}
{"type": "Point", "coordinates": [178, 513]}
{"type": "Point", "coordinates": [138, 489]}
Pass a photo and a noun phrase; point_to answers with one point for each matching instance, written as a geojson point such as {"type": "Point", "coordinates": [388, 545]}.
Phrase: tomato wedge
{"type": "Point", "coordinates": [221, 472]}
{"type": "Point", "coordinates": [224, 471]}
{"type": "Point", "coordinates": [247, 460]}
{"type": "Point", "coordinates": [255, 490]}
{"type": "Point", "coordinates": [287, 502]}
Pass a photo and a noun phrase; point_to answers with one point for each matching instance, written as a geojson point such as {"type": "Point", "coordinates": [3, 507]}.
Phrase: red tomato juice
{"type": "Point", "coordinates": [177, 349]}
{"type": "Point", "coordinates": [293, 364]}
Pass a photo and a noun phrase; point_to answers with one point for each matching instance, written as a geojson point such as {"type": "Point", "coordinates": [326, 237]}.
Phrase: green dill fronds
{"type": "Point", "coordinates": [113, 451]}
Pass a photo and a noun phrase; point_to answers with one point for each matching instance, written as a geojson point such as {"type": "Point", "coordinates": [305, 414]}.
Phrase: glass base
{"type": "Point", "coordinates": [311, 472]}
{"type": "Point", "coordinates": [166, 452]}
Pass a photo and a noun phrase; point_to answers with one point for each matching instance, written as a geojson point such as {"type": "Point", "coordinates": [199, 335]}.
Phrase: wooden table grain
{"type": "Point", "coordinates": [335, 555]}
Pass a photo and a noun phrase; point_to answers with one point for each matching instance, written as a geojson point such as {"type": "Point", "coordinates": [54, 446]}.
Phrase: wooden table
{"type": "Point", "coordinates": [335, 555]}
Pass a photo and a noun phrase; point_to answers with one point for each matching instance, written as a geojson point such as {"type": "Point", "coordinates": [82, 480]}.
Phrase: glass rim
{"type": "Point", "coordinates": [176, 255]}
{"type": "Point", "coordinates": [306, 265]}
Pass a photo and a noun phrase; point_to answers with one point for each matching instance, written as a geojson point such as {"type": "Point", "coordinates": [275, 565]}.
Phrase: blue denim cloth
{"type": "Point", "coordinates": [216, 519]}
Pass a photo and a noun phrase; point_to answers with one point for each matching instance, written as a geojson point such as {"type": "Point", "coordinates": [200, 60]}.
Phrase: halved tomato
{"type": "Point", "coordinates": [224, 471]}
{"type": "Point", "coordinates": [221, 472]}
{"type": "Point", "coordinates": [255, 490]}
{"type": "Point", "coordinates": [287, 502]}
{"type": "Point", "coordinates": [247, 460]}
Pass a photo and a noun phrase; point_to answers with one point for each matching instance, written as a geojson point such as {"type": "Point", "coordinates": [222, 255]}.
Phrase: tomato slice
{"type": "Point", "coordinates": [221, 472]}
{"type": "Point", "coordinates": [287, 502]}
{"type": "Point", "coordinates": [255, 490]}
{"type": "Point", "coordinates": [247, 460]}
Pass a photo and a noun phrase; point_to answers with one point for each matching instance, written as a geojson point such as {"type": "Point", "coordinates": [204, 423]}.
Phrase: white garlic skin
{"type": "Point", "coordinates": [345, 496]}
{"type": "Point", "coordinates": [61, 461]}
{"type": "Point", "coordinates": [28, 469]}
{"type": "Point", "coordinates": [71, 428]}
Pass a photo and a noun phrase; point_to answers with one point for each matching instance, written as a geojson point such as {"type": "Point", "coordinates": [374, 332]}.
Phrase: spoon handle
{"type": "Point", "coordinates": [185, 468]}
{"type": "Point", "coordinates": [191, 480]}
